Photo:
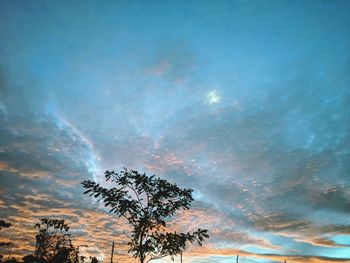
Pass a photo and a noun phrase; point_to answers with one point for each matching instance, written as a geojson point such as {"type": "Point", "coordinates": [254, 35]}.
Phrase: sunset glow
{"type": "Point", "coordinates": [245, 102]}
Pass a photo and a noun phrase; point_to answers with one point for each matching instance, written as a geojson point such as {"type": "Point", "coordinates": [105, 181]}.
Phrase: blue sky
{"type": "Point", "coordinates": [246, 102]}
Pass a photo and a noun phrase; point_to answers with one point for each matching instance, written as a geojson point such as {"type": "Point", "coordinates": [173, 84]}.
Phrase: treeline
{"type": "Point", "coordinates": [145, 202]}
{"type": "Point", "coordinates": [53, 244]}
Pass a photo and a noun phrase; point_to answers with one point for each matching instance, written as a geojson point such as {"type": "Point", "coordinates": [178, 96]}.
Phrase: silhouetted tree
{"type": "Point", "coordinates": [146, 202]}
{"type": "Point", "coordinates": [53, 243]}
{"type": "Point", "coordinates": [3, 223]}
{"type": "Point", "coordinates": [29, 259]}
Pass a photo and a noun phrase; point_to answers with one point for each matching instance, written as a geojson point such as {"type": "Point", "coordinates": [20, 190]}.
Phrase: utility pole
{"type": "Point", "coordinates": [112, 252]}
{"type": "Point", "coordinates": [237, 258]}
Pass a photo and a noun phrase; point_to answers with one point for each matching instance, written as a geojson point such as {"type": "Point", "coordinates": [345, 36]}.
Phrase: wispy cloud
{"type": "Point", "coordinates": [246, 104]}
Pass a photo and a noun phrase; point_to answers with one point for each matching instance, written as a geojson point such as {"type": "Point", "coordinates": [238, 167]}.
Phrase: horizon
{"type": "Point", "coordinates": [245, 102]}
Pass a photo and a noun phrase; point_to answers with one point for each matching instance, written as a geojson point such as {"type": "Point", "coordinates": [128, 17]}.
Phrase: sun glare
{"type": "Point", "coordinates": [213, 97]}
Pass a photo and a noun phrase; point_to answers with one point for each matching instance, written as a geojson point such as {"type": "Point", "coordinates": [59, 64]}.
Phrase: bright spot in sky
{"type": "Point", "coordinates": [213, 97]}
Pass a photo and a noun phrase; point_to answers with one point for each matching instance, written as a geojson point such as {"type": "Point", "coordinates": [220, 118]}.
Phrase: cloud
{"type": "Point", "coordinates": [268, 160]}
{"type": "Point", "coordinates": [174, 62]}
{"type": "Point", "coordinates": [334, 198]}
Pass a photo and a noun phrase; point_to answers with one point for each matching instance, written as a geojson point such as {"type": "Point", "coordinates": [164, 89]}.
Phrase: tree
{"type": "Point", "coordinates": [146, 203]}
{"type": "Point", "coordinates": [53, 242]}
{"type": "Point", "coordinates": [5, 224]}
{"type": "Point", "coordinates": [29, 259]}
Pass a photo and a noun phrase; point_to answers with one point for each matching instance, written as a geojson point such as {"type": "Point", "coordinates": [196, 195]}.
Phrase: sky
{"type": "Point", "coordinates": [246, 102]}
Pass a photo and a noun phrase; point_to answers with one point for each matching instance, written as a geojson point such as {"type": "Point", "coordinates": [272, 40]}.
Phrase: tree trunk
{"type": "Point", "coordinates": [142, 256]}
{"type": "Point", "coordinates": [112, 252]}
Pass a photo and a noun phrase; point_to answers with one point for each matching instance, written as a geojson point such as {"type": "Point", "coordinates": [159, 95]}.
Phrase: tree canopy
{"type": "Point", "coordinates": [53, 242]}
{"type": "Point", "coordinates": [4, 224]}
{"type": "Point", "coordinates": [146, 202]}
{"type": "Point", "coordinates": [53, 245]}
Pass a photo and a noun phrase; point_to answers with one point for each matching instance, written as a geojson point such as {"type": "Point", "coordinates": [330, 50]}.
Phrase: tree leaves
{"type": "Point", "coordinates": [53, 243]}
{"type": "Point", "coordinates": [145, 202]}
